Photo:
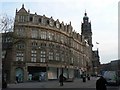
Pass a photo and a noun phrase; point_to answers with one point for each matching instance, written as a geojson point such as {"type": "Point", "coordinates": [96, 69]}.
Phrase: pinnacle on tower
{"type": "Point", "coordinates": [22, 5]}
{"type": "Point", "coordinates": [85, 13]}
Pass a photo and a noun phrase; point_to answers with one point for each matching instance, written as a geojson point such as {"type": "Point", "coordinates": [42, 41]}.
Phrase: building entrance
{"type": "Point", "coordinates": [37, 73]}
{"type": "Point", "coordinates": [19, 74]}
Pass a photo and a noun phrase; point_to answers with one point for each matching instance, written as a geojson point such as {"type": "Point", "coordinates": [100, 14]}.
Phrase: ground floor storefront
{"type": "Point", "coordinates": [41, 72]}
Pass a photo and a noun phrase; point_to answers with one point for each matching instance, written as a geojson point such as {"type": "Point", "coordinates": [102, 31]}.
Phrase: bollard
{"type": "Point", "coordinates": [84, 79]}
{"type": "Point", "coordinates": [88, 78]}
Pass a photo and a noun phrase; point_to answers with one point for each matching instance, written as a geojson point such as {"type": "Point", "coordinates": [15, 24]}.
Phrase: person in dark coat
{"type": "Point", "coordinates": [4, 83]}
{"type": "Point", "coordinates": [88, 76]}
{"type": "Point", "coordinates": [84, 78]}
{"type": "Point", "coordinates": [16, 79]}
{"type": "Point", "coordinates": [101, 84]}
{"type": "Point", "coordinates": [61, 79]}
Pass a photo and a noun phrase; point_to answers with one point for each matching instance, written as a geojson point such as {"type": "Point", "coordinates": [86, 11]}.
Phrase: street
{"type": "Point", "coordinates": [78, 83]}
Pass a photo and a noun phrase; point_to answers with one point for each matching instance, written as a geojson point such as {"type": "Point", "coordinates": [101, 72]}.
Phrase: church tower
{"type": "Point", "coordinates": [86, 29]}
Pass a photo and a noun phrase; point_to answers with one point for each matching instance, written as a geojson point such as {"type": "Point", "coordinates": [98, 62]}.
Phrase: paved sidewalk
{"type": "Point", "coordinates": [78, 83]}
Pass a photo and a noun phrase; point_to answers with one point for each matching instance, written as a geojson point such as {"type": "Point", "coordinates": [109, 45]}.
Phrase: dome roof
{"type": "Point", "coordinates": [85, 17]}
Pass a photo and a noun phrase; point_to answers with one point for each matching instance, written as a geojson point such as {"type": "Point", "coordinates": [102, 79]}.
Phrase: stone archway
{"type": "Point", "coordinates": [19, 74]}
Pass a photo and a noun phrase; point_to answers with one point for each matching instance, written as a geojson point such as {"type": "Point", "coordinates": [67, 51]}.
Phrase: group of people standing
{"type": "Point", "coordinates": [62, 78]}
{"type": "Point", "coordinates": [84, 77]}
{"type": "Point", "coordinates": [100, 83]}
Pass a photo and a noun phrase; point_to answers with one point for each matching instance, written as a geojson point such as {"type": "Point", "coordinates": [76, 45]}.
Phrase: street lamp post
{"type": "Point", "coordinates": [47, 68]}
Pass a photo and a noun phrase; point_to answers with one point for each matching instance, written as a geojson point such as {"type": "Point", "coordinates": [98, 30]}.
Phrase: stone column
{"type": "Point", "coordinates": [12, 74]}
{"type": "Point", "coordinates": [25, 74]}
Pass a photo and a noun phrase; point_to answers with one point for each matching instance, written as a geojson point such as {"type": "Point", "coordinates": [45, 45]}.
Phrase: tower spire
{"type": "Point", "coordinates": [85, 13]}
{"type": "Point", "coordinates": [22, 5]}
{"type": "Point", "coordinates": [22, 10]}
{"type": "Point", "coordinates": [86, 29]}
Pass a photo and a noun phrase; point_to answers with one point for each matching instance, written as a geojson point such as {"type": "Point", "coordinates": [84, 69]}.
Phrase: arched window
{"type": "Point", "coordinates": [31, 19]}
{"type": "Point", "coordinates": [51, 22]}
{"type": "Point", "coordinates": [20, 45]}
{"type": "Point", "coordinates": [43, 34]}
{"type": "Point", "coordinates": [34, 33]}
{"type": "Point", "coordinates": [21, 18]}
{"type": "Point", "coordinates": [57, 25]}
{"type": "Point", "coordinates": [47, 21]}
{"type": "Point", "coordinates": [39, 20]}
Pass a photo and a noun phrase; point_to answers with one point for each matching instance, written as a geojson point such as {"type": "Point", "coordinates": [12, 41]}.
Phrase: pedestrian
{"type": "Point", "coordinates": [84, 78]}
{"type": "Point", "coordinates": [88, 76]}
{"type": "Point", "coordinates": [61, 79]}
{"type": "Point", "coordinates": [16, 80]}
{"type": "Point", "coordinates": [40, 78]}
{"type": "Point", "coordinates": [101, 83]}
{"type": "Point", "coordinates": [4, 83]}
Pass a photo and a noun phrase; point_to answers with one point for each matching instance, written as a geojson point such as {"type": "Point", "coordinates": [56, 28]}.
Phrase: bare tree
{"type": "Point", "coordinates": [6, 23]}
{"type": "Point", "coordinates": [6, 27]}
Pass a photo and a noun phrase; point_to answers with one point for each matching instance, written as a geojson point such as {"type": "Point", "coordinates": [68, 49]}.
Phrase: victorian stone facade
{"type": "Point", "coordinates": [44, 48]}
{"type": "Point", "coordinates": [96, 62]}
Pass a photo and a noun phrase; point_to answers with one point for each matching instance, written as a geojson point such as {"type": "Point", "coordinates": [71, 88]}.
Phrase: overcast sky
{"type": "Point", "coordinates": [103, 15]}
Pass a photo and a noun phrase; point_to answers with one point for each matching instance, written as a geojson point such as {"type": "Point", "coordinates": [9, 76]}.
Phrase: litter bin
{"type": "Point", "coordinates": [84, 79]}
{"type": "Point", "coordinates": [88, 77]}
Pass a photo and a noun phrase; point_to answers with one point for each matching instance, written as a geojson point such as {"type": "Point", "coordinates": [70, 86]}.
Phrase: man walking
{"type": "Point", "coordinates": [61, 79]}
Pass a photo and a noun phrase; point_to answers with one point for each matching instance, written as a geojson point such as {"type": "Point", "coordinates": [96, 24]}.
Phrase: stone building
{"type": "Point", "coordinates": [114, 65]}
{"type": "Point", "coordinates": [96, 62]}
{"type": "Point", "coordinates": [44, 48]}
